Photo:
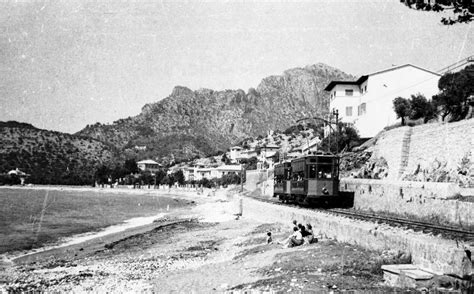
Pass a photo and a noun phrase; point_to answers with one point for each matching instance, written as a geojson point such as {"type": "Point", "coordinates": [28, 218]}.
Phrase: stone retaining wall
{"type": "Point", "coordinates": [422, 200]}
{"type": "Point", "coordinates": [259, 182]}
{"type": "Point", "coordinates": [446, 142]}
{"type": "Point", "coordinates": [416, 153]}
{"type": "Point", "coordinates": [390, 147]}
{"type": "Point", "coordinates": [434, 254]}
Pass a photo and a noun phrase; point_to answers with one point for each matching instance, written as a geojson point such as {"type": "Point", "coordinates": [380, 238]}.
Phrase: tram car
{"type": "Point", "coordinates": [282, 181]}
{"type": "Point", "coordinates": [314, 180]}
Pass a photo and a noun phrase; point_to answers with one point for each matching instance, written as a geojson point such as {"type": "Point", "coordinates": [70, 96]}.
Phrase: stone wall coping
{"type": "Point", "coordinates": [408, 184]}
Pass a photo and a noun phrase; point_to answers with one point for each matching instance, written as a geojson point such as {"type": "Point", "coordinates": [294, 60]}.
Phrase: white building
{"type": "Point", "coordinates": [247, 153]}
{"type": "Point", "coordinates": [197, 173]}
{"type": "Point", "coordinates": [148, 165]}
{"type": "Point", "coordinates": [223, 170]}
{"type": "Point", "coordinates": [269, 150]}
{"type": "Point", "coordinates": [310, 145]}
{"type": "Point", "coordinates": [234, 153]}
{"type": "Point", "coordinates": [368, 102]}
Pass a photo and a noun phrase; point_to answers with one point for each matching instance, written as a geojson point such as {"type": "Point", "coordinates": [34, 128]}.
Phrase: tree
{"type": "Point", "coordinates": [178, 177]}
{"type": "Point", "coordinates": [463, 10]}
{"type": "Point", "coordinates": [343, 138]}
{"type": "Point", "coordinates": [420, 107]}
{"type": "Point", "coordinates": [250, 163]}
{"type": "Point", "coordinates": [402, 108]}
{"type": "Point", "coordinates": [455, 89]}
{"type": "Point", "coordinates": [225, 159]}
{"type": "Point", "coordinates": [146, 178]}
{"type": "Point", "coordinates": [102, 174]}
{"type": "Point", "coordinates": [159, 176]}
{"type": "Point", "coordinates": [130, 166]}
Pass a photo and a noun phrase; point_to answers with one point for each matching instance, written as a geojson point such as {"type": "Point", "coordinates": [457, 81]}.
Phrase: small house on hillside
{"type": "Point", "coordinates": [234, 153]}
{"type": "Point", "coordinates": [20, 174]}
{"type": "Point", "coordinates": [223, 170]}
{"type": "Point", "coordinates": [367, 103]}
{"type": "Point", "coordinates": [248, 153]}
{"type": "Point", "coordinates": [310, 145]}
{"type": "Point", "coordinates": [149, 165]}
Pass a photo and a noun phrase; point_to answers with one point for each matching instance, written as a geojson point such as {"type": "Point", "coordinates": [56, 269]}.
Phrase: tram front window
{"type": "Point", "coordinates": [324, 171]}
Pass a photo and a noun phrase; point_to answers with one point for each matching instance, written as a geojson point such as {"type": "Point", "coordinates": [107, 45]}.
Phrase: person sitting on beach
{"type": "Point", "coordinates": [296, 238]}
{"type": "Point", "coordinates": [302, 230]}
{"type": "Point", "coordinates": [309, 238]}
{"type": "Point", "coordinates": [269, 238]}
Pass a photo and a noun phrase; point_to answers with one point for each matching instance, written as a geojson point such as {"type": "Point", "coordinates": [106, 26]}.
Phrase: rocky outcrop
{"type": "Point", "coordinates": [190, 123]}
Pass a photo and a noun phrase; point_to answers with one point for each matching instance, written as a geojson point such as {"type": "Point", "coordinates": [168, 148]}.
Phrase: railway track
{"type": "Point", "coordinates": [449, 232]}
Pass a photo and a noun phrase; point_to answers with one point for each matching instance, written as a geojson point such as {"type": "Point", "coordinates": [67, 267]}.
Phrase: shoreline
{"type": "Point", "coordinates": [129, 224]}
{"type": "Point", "coordinates": [125, 225]}
{"type": "Point", "coordinates": [174, 191]}
{"type": "Point", "coordinates": [171, 200]}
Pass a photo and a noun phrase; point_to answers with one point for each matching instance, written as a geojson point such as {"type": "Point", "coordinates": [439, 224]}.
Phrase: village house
{"type": "Point", "coordinates": [149, 165]}
{"type": "Point", "coordinates": [223, 170]}
{"type": "Point", "coordinates": [247, 153]}
{"type": "Point", "coordinates": [234, 153]}
{"type": "Point", "coordinates": [197, 173]}
{"type": "Point", "coordinates": [311, 145]}
{"type": "Point", "coordinates": [367, 103]}
{"type": "Point", "coordinates": [20, 174]}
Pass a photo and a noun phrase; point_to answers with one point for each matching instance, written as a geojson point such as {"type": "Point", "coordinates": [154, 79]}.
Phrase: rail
{"type": "Point", "coordinates": [449, 232]}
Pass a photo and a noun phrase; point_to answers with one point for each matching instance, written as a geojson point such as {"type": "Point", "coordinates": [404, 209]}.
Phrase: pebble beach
{"type": "Point", "coordinates": [204, 248]}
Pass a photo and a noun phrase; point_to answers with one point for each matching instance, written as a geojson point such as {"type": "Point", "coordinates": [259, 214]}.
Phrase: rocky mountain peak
{"type": "Point", "coordinates": [191, 123]}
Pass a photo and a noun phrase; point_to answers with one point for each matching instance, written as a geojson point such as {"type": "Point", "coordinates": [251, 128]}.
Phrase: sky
{"type": "Point", "coordinates": [66, 64]}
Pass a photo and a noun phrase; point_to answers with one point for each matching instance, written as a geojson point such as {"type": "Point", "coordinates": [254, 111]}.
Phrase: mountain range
{"type": "Point", "coordinates": [189, 124]}
{"type": "Point", "coordinates": [185, 125]}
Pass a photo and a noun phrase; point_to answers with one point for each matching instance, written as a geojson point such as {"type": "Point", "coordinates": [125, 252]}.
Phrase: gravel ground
{"type": "Point", "coordinates": [203, 250]}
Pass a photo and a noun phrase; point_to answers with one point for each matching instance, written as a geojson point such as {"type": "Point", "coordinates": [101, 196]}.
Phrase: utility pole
{"type": "Point", "coordinates": [241, 178]}
{"type": "Point", "coordinates": [330, 132]}
{"type": "Point", "coordinates": [335, 112]}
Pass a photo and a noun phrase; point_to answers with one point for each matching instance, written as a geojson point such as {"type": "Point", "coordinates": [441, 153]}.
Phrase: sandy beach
{"type": "Point", "coordinates": [201, 249]}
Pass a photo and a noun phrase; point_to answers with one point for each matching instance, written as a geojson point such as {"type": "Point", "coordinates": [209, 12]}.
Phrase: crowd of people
{"type": "Point", "coordinates": [301, 235]}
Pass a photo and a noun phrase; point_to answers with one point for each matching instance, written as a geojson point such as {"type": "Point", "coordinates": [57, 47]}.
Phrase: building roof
{"type": "Point", "coordinates": [249, 151]}
{"type": "Point", "coordinates": [270, 146]}
{"type": "Point", "coordinates": [362, 79]}
{"type": "Point", "coordinates": [236, 147]}
{"type": "Point", "coordinates": [230, 167]}
{"type": "Point", "coordinates": [403, 65]}
{"type": "Point", "coordinates": [332, 84]}
{"type": "Point", "coordinates": [148, 161]}
{"type": "Point", "coordinates": [17, 172]}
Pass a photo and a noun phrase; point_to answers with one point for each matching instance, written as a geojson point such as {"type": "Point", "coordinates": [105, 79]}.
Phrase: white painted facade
{"type": "Point", "coordinates": [149, 165]}
{"type": "Point", "coordinates": [234, 153]}
{"type": "Point", "coordinates": [200, 172]}
{"type": "Point", "coordinates": [368, 102]}
{"type": "Point", "coordinates": [247, 153]}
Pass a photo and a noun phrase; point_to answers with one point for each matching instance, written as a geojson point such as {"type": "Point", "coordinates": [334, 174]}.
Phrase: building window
{"type": "Point", "coordinates": [349, 111]}
{"type": "Point", "coordinates": [349, 92]}
{"type": "Point", "coordinates": [334, 94]}
{"type": "Point", "coordinates": [365, 88]}
{"type": "Point", "coordinates": [361, 109]}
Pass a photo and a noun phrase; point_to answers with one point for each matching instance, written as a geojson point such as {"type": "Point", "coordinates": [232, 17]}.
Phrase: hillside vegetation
{"type": "Point", "coordinates": [190, 124]}
{"type": "Point", "coordinates": [51, 157]}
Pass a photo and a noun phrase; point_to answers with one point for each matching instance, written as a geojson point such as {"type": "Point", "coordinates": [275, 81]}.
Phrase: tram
{"type": "Point", "coordinates": [313, 180]}
{"type": "Point", "coordinates": [282, 181]}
